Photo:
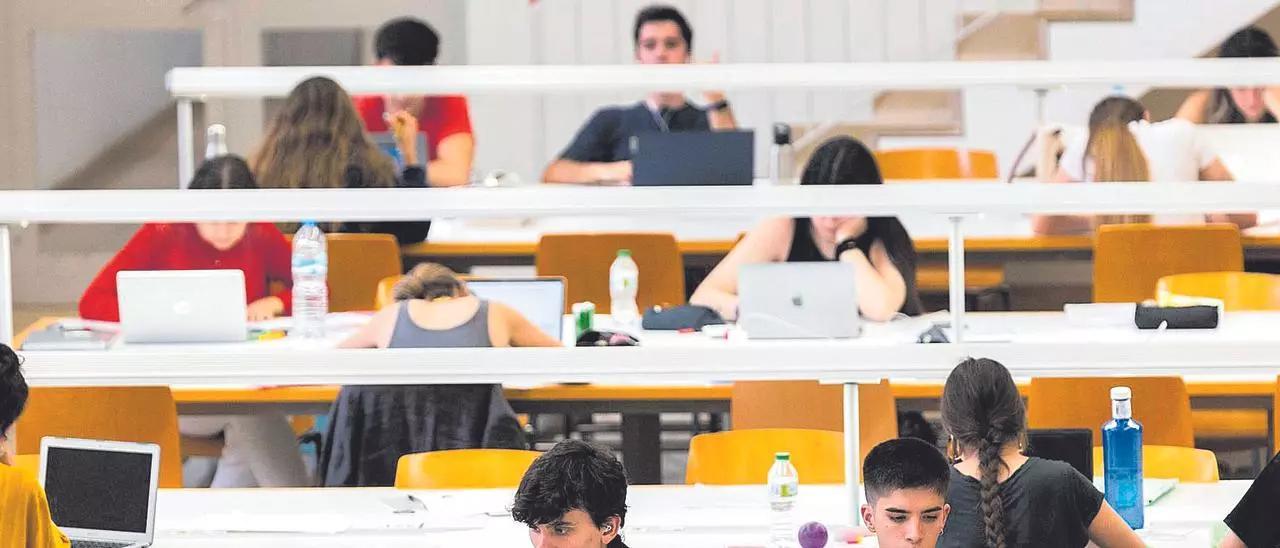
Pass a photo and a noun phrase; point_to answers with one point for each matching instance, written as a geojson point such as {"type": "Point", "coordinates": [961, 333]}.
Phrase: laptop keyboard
{"type": "Point", "coordinates": [98, 544]}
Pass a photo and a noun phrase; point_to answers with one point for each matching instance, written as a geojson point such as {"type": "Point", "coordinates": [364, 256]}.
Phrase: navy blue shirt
{"type": "Point", "coordinates": [606, 137]}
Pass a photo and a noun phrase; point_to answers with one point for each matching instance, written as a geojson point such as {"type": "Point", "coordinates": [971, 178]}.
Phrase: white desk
{"type": "Point", "coordinates": [683, 516]}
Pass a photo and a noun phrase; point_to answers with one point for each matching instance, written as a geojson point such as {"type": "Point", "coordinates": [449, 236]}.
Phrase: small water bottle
{"type": "Point", "coordinates": [624, 280]}
{"type": "Point", "coordinates": [310, 291]}
{"type": "Point", "coordinates": [215, 141]}
{"type": "Point", "coordinates": [779, 151]}
{"type": "Point", "coordinates": [784, 487]}
{"type": "Point", "coordinates": [1122, 459]}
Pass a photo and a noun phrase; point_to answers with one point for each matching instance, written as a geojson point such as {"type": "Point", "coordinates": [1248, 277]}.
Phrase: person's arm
{"type": "Point", "coordinates": [765, 243]}
{"type": "Point", "coordinates": [1061, 224]}
{"type": "Point", "coordinates": [1108, 530]}
{"type": "Point", "coordinates": [41, 531]}
{"type": "Point", "coordinates": [452, 166]}
{"type": "Point", "coordinates": [881, 289]}
{"type": "Point", "coordinates": [1217, 171]}
{"type": "Point", "coordinates": [1193, 109]}
{"type": "Point", "coordinates": [719, 119]}
{"type": "Point", "coordinates": [520, 331]}
{"type": "Point", "coordinates": [376, 333]}
{"type": "Point", "coordinates": [100, 300]}
{"type": "Point", "coordinates": [1230, 540]}
{"type": "Point", "coordinates": [574, 172]}
{"type": "Point", "coordinates": [579, 163]}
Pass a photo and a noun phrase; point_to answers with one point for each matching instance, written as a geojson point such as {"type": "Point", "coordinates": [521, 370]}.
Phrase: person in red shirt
{"type": "Point", "coordinates": [444, 119]}
{"type": "Point", "coordinates": [257, 249]}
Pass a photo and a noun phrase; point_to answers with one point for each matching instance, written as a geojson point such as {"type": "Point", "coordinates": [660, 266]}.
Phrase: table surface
{"type": "Point", "coordinates": [659, 516]}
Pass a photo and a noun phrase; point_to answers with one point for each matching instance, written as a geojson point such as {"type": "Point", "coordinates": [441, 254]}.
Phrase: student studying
{"type": "Point", "coordinates": [573, 496]}
{"type": "Point", "coordinates": [25, 520]}
{"type": "Point", "coordinates": [1247, 105]}
{"type": "Point", "coordinates": [906, 482]}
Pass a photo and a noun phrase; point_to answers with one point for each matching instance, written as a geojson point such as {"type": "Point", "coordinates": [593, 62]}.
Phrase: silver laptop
{"type": "Point", "coordinates": [541, 300]}
{"type": "Point", "coordinates": [798, 301]}
{"type": "Point", "coordinates": [101, 493]}
{"type": "Point", "coordinates": [182, 306]}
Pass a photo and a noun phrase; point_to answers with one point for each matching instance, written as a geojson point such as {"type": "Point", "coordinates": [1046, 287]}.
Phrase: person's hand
{"type": "Point", "coordinates": [619, 172]}
{"type": "Point", "coordinates": [265, 309]}
{"type": "Point", "coordinates": [713, 96]}
{"type": "Point", "coordinates": [404, 127]}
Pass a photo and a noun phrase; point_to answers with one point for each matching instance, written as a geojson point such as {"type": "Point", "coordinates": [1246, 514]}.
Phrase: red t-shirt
{"type": "Point", "coordinates": [441, 117]}
{"type": "Point", "coordinates": [262, 254]}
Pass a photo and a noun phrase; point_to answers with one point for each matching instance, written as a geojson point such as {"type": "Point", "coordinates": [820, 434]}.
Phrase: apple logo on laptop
{"type": "Point", "coordinates": [797, 300]}
{"type": "Point", "coordinates": [182, 308]}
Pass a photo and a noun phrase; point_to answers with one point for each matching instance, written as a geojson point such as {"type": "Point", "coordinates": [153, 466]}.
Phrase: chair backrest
{"type": "Point", "coordinates": [1236, 290]}
{"type": "Point", "coordinates": [463, 469]}
{"type": "Point", "coordinates": [137, 414]}
{"type": "Point", "coordinates": [1128, 259]}
{"type": "Point", "coordinates": [1161, 404]}
{"type": "Point", "coordinates": [583, 260]}
{"type": "Point", "coordinates": [937, 163]}
{"type": "Point", "coordinates": [773, 404]}
{"type": "Point", "coordinates": [28, 464]}
{"type": "Point", "coordinates": [385, 295]}
{"type": "Point", "coordinates": [743, 457]}
{"type": "Point", "coordinates": [357, 263]}
{"type": "Point", "coordinates": [1186, 464]}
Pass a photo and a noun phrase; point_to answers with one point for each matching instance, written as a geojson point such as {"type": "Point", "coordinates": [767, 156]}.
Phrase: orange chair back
{"type": "Point", "coordinates": [386, 293]}
{"type": "Point", "coordinates": [583, 260]}
{"type": "Point", "coordinates": [743, 457]}
{"type": "Point", "coordinates": [1185, 464]}
{"type": "Point", "coordinates": [937, 163]}
{"type": "Point", "coordinates": [135, 414]}
{"type": "Point", "coordinates": [771, 404]}
{"type": "Point", "coordinates": [1161, 404]}
{"type": "Point", "coordinates": [357, 263]}
{"type": "Point", "coordinates": [1238, 291]}
{"type": "Point", "coordinates": [28, 464]}
{"type": "Point", "coordinates": [1129, 259]}
{"type": "Point", "coordinates": [463, 469]}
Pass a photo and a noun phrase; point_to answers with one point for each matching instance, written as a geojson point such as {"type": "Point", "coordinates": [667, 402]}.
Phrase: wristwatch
{"type": "Point", "coordinates": [719, 106]}
{"type": "Point", "coordinates": [845, 245]}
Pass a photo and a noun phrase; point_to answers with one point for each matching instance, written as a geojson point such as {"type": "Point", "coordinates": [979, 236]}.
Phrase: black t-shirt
{"type": "Point", "coordinates": [606, 137]}
{"type": "Point", "coordinates": [1046, 504]}
{"type": "Point", "coordinates": [1254, 517]}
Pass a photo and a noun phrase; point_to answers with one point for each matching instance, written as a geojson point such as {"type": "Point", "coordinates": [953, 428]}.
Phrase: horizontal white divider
{"type": "Point", "coordinates": [950, 198]}
{"type": "Point", "coordinates": [213, 82]}
{"type": "Point", "coordinates": [830, 362]}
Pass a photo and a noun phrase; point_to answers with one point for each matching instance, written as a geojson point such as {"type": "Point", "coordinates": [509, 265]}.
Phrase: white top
{"type": "Point", "coordinates": [1175, 153]}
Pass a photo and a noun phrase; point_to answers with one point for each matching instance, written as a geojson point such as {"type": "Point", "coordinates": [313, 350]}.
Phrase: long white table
{"type": "Point", "coordinates": [659, 516]}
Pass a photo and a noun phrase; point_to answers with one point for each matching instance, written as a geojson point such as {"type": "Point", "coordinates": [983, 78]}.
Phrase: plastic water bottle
{"type": "Point", "coordinates": [215, 141]}
{"type": "Point", "coordinates": [1122, 459]}
{"type": "Point", "coordinates": [310, 292]}
{"type": "Point", "coordinates": [624, 280]}
{"type": "Point", "coordinates": [784, 487]}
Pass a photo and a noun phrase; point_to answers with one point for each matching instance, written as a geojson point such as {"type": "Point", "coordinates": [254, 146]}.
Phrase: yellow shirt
{"type": "Point", "coordinates": [25, 521]}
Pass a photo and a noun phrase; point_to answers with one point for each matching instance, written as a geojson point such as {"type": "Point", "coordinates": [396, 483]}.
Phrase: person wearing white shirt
{"type": "Point", "coordinates": [1123, 145]}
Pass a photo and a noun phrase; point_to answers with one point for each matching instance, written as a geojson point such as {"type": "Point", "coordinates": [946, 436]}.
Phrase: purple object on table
{"type": "Point", "coordinates": [813, 535]}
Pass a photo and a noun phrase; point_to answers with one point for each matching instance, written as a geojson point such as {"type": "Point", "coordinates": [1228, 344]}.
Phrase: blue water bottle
{"type": "Point", "coordinates": [1122, 458]}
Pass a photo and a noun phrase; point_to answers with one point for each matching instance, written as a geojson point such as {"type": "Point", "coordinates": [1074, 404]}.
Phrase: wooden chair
{"type": "Point", "coordinates": [743, 457]}
{"type": "Point", "coordinates": [1129, 259]}
{"type": "Point", "coordinates": [136, 414]}
{"type": "Point", "coordinates": [1237, 290]}
{"type": "Point", "coordinates": [463, 469]}
{"type": "Point", "coordinates": [583, 260]}
{"type": "Point", "coordinates": [1161, 404]}
{"type": "Point", "coordinates": [357, 263]}
{"type": "Point", "coordinates": [384, 295]}
{"type": "Point", "coordinates": [1186, 464]}
{"type": "Point", "coordinates": [772, 404]}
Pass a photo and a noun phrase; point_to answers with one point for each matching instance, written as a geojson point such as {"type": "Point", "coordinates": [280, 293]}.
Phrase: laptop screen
{"type": "Point", "coordinates": [97, 489]}
{"type": "Point", "coordinates": [1072, 446]}
{"type": "Point", "coordinates": [541, 301]}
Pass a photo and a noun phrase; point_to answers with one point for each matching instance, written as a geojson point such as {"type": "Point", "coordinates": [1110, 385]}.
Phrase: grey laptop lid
{"type": "Point", "coordinates": [182, 306]}
{"type": "Point", "coordinates": [101, 490]}
{"type": "Point", "coordinates": [540, 300]}
{"type": "Point", "coordinates": [386, 142]}
{"type": "Point", "coordinates": [798, 301]}
{"type": "Point", "coordinates": [692, 158]}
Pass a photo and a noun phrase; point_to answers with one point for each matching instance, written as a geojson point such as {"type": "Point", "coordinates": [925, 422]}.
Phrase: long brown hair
{"type": "Point", "coordinates": [317, 140]}
{"type": "Point", "coordinates": [1114, 150]}
{"type": "Point", "coordinates": [982, 411]}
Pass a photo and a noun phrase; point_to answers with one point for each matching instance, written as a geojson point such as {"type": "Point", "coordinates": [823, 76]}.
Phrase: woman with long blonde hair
{"type": "Point", "coordinates": [317, 140]}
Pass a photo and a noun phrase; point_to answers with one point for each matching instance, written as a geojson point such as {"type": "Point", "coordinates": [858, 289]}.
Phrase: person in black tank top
{"type": "Point", "coordinates": [1249, 105]}
{"type": "Point", "coordinates": [879, 247]}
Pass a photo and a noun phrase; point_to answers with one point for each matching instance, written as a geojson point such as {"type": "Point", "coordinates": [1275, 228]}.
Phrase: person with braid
{"type": "Point", "coordinates": [1000, 498]}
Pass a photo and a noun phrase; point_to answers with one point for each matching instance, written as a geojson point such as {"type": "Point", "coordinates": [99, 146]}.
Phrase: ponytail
{"type": "Point", "coordinates": [989, 467]}
{"type": "Point", "coordinates": [1114, 150]}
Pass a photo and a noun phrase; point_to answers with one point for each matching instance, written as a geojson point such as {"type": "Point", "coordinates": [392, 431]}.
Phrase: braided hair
{"type": "Point", "coordinates": [982, 411]}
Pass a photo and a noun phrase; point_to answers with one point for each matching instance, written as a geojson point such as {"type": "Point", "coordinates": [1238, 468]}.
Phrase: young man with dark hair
{"type": "Point", "coordinates": [25, 519]}
{"type": "Point", "coordinates": [444, 119]}
{"type": "Point", "coordinates": [573, 496]}
{"type": "Point", "coordinates": [600, 152]}
{"type": "Point", "coordinates": [906, 481]}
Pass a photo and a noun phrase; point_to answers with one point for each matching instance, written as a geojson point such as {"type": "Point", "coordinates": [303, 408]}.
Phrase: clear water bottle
{"type": "Point", "coordinates": [624, 280]}
{"type": "Point", "coordinates": [215, 141]}
{"type": "Point", "coordinates": [1122, 459]}
{"type": "Point", "coordinates": [310, 291]}
{"type": "Point", "coordinates": [784, 487]}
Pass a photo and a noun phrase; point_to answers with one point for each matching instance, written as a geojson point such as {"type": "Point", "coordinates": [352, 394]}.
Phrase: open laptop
{"type": "Point", "coordinates": [541, 300]}
{"type": "Point", "coordinates": [181, 306]}
{"type": "Point", "coordinates": [692, 158]}
{"type": "Point", "coordinates": [798, 301]}
{"type": "Point", "coordinates": [386, 142]}
{"type": "Point", "coordinates": [1073, 446]}
{"type": "Point", "coordinates": [101, 493]}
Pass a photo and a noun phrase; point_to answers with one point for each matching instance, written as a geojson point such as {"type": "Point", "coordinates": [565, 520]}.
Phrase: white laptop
{"type": "Point", "coordinates": [798, 301]}
{"type": "Point", "coordinates": [101, 493]}
{"type": "Point", "coordinates": [541, 300]}
{"type": "Point", "coordinates": [182, 306]}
